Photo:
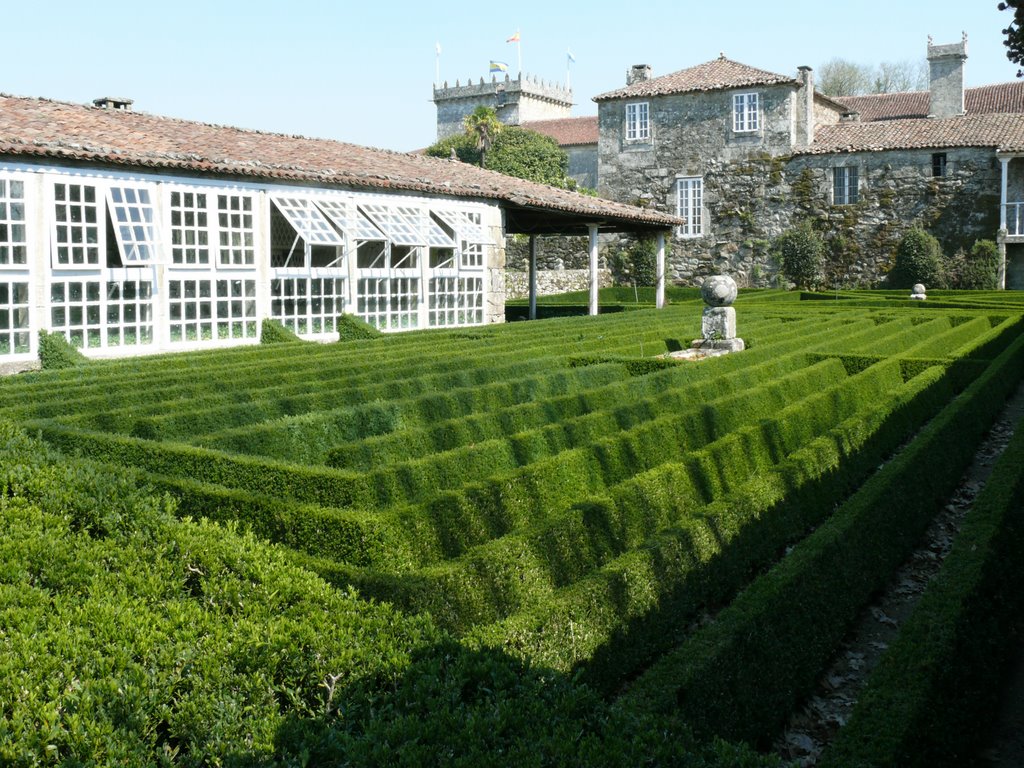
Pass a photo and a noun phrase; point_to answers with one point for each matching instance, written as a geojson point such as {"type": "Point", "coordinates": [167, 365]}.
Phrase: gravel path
{"type": "Point", "coordinates": [812, 727]}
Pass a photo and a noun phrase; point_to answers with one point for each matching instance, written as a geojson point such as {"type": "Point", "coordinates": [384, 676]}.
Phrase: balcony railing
{"type": "Point", "coordinates": [1014, 213]}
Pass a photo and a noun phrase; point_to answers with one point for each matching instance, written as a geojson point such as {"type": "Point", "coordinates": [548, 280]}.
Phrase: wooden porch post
{"type": "Point", "coordinates": [533, 277]}
{"type": "Point", "coordinates": [659, 296]}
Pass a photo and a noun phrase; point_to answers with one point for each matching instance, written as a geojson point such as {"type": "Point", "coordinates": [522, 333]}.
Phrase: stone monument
{"type": "Point", "coordinates": [718, 322]}
{"type": "Point", "coordinates": [917, 292]}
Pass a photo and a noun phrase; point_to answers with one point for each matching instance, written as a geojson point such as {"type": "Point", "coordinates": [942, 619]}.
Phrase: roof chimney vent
{"type": "Point", "coordinates": [638, 73]}
{"type": "Point", "coordinates": [946, 78]}
{"type": "Point", "coordinates": [112, 102]}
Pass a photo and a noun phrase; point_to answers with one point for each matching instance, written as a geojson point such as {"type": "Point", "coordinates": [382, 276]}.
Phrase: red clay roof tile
{"type": "Point", "coordinates": [40, 128]}
{"type": "Point", "coordinates": [713, 75]}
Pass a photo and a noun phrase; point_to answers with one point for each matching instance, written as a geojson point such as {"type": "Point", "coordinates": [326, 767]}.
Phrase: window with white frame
{"type": "Point", "coordinates": [307, 305]}
{"type": "Point", "coordinates": [134, 219]}
{"type": "Point", "coordinates": [100, 314]}
{"type": "Point", "coordinates": [236, 229]}
{"type": "Point", "coordinates": [207, 310]}
{"type": "Point", "coordinates": [78, 225]}
{"type": "Point", "coordinates": [15, 334]}
{"type": "Point", "coordinates": [389, 303]}
{"type": "Point", "coordinates": [689, 205]}
{"type": "Point", "coordinates": [745, 116]}
{"type": "Point", "coordinates": [844, 185]}
{"type": "Point", "coordinates": [638, 124]}
{"type": "Point", "coordinates": [470, 234]}
{"type": "Point", "coordinates": [190, 229]}
{"type": "Point", "coordinates": [471, 300]}
{"type": "Point", "coordinates": [13, 251]}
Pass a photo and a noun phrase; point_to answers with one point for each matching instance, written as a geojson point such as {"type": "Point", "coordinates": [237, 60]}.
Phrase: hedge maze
{"type": "Point", "coordinates": [680, 546]}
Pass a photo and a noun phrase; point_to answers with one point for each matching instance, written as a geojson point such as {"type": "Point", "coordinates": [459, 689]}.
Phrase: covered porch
{"type": "Point", "coordinates": [535, 221]}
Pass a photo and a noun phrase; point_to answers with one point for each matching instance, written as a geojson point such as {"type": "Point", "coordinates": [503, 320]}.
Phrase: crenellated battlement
{"type": "Point", "coordinates": [515, 101]}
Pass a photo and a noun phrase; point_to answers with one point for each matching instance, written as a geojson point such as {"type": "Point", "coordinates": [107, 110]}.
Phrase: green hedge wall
{"type": "Point", "coordinates": [740, 676]}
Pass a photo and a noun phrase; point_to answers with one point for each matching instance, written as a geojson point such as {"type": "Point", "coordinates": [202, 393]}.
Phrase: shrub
{"type": "Point", "coordinates": [918, 260]}
{"type": "Point", "coordinates": [272, 332]}
{"type": "Point", "coordinates": [637, 264]}
{"type": "Point", "coordinates": [351, 328]}
{"type": "Point", "coordinates": [55, 352]}
{"type": "Point", "coordinates": [976, 270]}
{"type": "Point", "coordinates": [800, 252]}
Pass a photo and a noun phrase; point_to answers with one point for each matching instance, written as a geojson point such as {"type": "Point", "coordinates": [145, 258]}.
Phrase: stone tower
{"type": "Point", "coordinates": [516, 101]}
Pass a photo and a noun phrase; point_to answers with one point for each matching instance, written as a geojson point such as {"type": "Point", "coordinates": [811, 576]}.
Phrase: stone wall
{"type": "Point", "coordinates": [515, 101]}
{"type": "Point", "coordinates": [583, 164]}
{"type": "Point", "coordinates": [754, 189]}
{"type": "Point", "coordinates": [553, 253]}
{"type": "Point", "coordinates": [517, 284]}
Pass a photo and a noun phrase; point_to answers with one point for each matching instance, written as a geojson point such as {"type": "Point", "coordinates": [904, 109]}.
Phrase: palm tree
{"type": "Point", "coordinates": [483, 125]}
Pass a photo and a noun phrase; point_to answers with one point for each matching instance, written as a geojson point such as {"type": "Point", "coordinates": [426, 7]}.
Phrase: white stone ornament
{"type": "Point", "coordinates": [718, 291]}
{"type": "Point", "coordinates": [917, 292]}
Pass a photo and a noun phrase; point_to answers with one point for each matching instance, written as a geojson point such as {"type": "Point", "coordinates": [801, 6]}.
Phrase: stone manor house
{"type": "Point", "coordinates": [742, 154]}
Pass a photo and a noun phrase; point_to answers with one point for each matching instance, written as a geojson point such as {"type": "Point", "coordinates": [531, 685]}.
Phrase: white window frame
{"type": "Point", "coordinates": [843, 191]}
{"type": "Point", "coordinates": [690, 205]}
{"type": "Point", "coordinates": [638, 121]}
{"type": "Point", "coordinates": [15, 230]}
{"type": "Point", "coordinates": [235, 246]}
{"type": "Point", "coordinates": [746, 117]}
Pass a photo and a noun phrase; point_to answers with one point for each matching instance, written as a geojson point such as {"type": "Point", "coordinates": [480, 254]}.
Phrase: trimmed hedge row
{"type": "Point", "coordinates": [262, 368]}
{"type": "Point", "coordinates": [932, 698]}
{"type": "Point", "coordinates": [740, 676]}
{"type": "Point", "coordinates": [619, 618]}
{"type": "Point", "coordinates": [452, 434]}
{"type": "Point", "coordinates": [560, 549]}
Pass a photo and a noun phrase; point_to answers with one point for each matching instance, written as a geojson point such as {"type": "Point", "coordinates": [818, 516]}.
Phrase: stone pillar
{"type": "Point", "coordinates": [946, 79]}
{"type": "Point", "coordinates": [593, 268]}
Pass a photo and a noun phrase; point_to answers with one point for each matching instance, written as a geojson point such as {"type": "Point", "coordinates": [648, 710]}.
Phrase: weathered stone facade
{"type": "Point", "coordinates": [753, 184]}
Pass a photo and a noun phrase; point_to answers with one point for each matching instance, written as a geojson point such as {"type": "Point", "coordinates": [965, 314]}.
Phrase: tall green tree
{"type": "Point", "coordinates": [513, 150]}
{"type": "Point", "coordinates": [483, 125]}
{"type": "Point", "coordinates": [1014, 32]}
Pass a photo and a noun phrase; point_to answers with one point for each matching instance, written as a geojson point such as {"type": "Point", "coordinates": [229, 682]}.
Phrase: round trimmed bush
{"type": "Point", "coordinates": [918, 260]}
{"type": "Point", "coordinates": [800, 253]}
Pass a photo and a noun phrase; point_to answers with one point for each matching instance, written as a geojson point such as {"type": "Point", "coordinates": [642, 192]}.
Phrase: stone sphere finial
{"type": "Point", "coordinates": [718, 291]}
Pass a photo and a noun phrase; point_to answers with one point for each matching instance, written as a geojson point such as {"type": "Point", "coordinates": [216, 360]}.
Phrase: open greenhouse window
{"type": "Point", "coordinates": [403, 225]}
{"type": "Point", "coordinates": [134, 223]}
{"type": "Point", "coordinates": [298, 220]}
{"type": "Point", "coordinates": [372, 254]}
{"type": "Point", "coordinates": [465, 224]}
{"type": "Point", "coordinates": [405, 257]}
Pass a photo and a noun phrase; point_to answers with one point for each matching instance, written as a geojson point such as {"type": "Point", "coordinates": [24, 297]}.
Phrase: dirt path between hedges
{"type": "Point", "coordinates": [812, 727]}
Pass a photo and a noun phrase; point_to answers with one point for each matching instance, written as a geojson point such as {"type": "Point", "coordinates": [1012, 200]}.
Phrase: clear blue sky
{"type": "Point", "coordinates": [362, 70]}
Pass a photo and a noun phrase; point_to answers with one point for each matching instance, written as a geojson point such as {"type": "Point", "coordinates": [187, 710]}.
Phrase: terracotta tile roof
{"type": "Point", "coordinates": [983, 100]}
{"type": "Point", "coordinates": [569, 131]}
{"type": "Point", "coordinates": [713, 75]}
{"type": "Point", "coordinates": [44, 129]}
{"type": "Point", "coordinates": [1004, 132]}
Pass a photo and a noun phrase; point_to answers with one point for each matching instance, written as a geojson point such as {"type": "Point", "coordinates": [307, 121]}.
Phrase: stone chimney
{"type": "Point", "coordinates": [638, 73]}
{"type": "Point", "coordinates": [805, 107]}
{"type": "Point", "coordinates": [112, 102]}
{"type": "Point", "coordinates": [946, 78]}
